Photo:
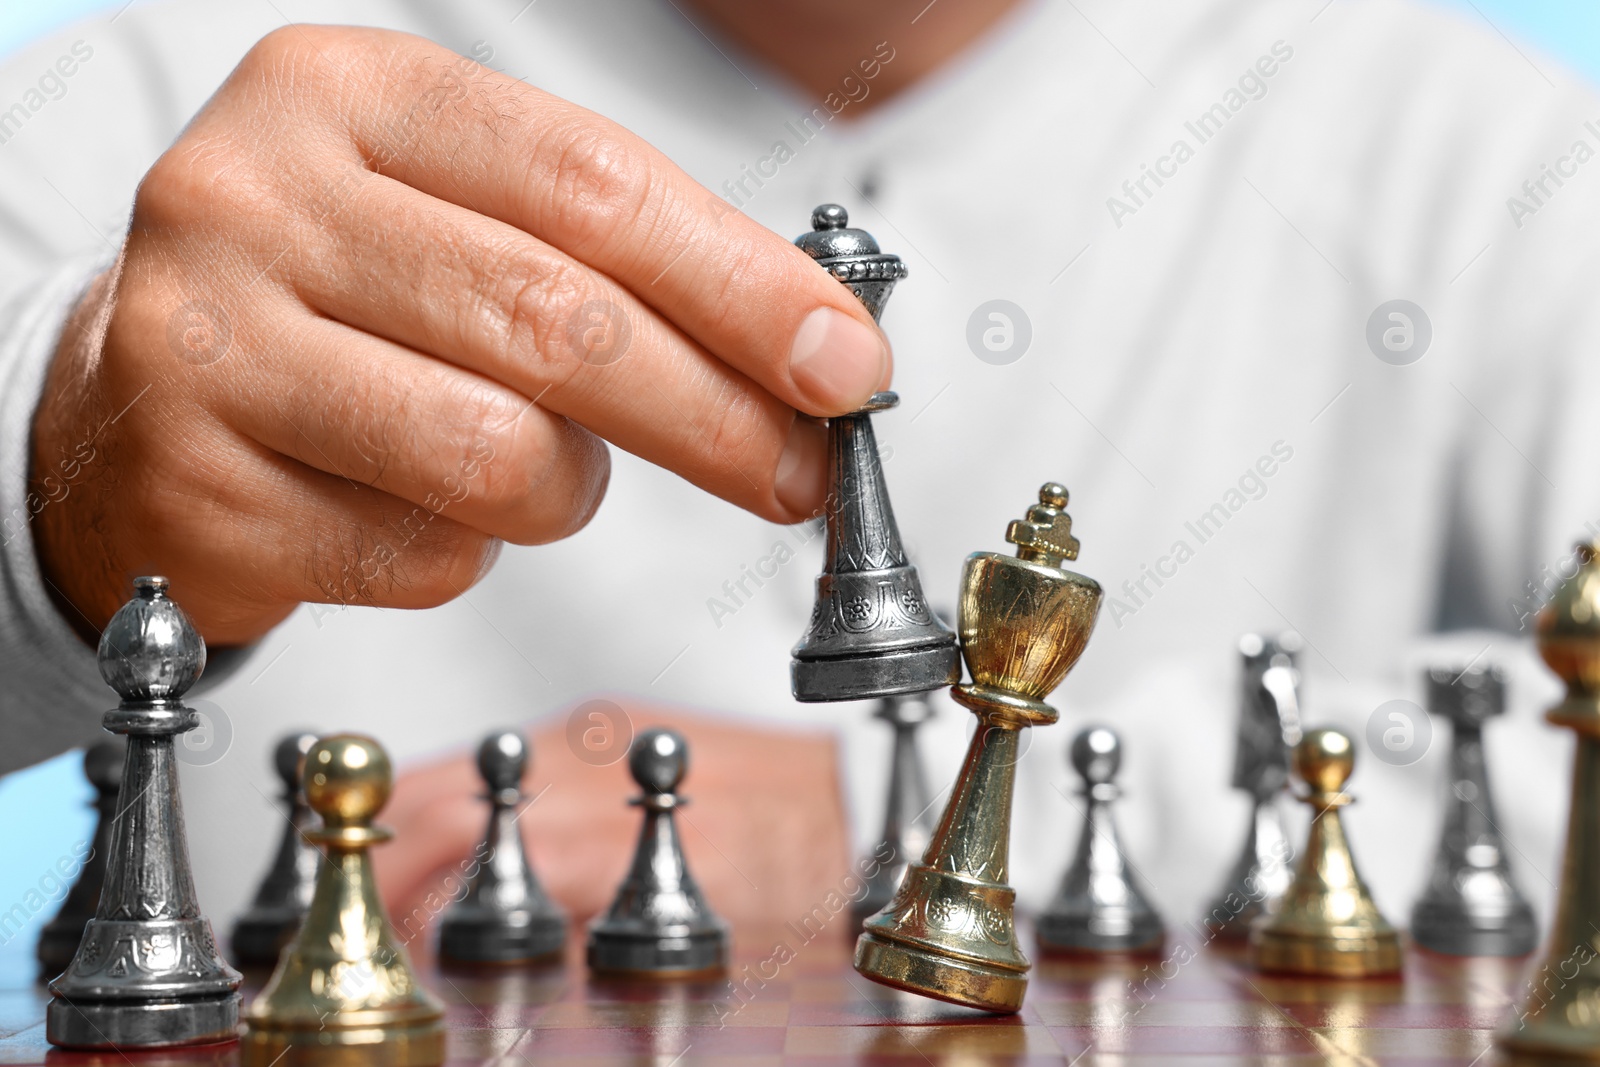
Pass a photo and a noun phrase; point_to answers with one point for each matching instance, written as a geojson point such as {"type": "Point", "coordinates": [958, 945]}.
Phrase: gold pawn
{"type": "Point", "coordinates": [1559, 1018]}
{"type": "Point", "coordinates": [343, 991]}
{"type": "Point", "coordinates": [1327, 924]}
{"type": "Point", "coordinates": [949, 932]}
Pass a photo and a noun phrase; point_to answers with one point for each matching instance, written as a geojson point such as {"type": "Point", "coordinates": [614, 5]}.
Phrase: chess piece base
{"type": "Point", "coordinates": [861, 677]}
{"type": "Point", "coordinates": [1368, 955]}
{"type": "Point", "coordinates": [957, 981]}
{"type": "Point", "coordinates": [694, 955]}
{"type": "Point", "coordinates": [259, 937]}
{"type": "Point", "coordinates": [1453, 934]}
{"type": "Point", "coordinates": [142, 1023]}
{"type": "Point", "coordinates": [416, 1044]}
{"type": "Point", "coordinates": [1098, 935]}
{"type": "Point", "coordinates": [493, 940]}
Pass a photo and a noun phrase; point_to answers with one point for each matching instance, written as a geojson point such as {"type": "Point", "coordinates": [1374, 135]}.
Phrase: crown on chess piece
{"type": "Point", "coordinates": [871, 632]}
{"type": "Point", "coordinates": [343, 987]}
{"type": "Point", "coordinates": [1024, 621]}
{"type": "Point", "coordinates": [147, 973]}
{"type": "Point", "coordinates": [1327, 924]}
{"type": "Point", "coordinates": [1557, 1022]}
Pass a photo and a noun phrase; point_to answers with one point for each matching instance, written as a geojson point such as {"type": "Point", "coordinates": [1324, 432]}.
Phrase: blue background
{"type": "Point", "coordinates": [44, 810]}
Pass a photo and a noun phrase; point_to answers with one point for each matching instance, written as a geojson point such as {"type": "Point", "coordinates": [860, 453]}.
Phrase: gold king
{"type": "Point", "coordinates": [1024, 621]}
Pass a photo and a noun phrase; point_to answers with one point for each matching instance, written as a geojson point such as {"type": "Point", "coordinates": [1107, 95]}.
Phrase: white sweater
{"type": "Point", "coordinates": [1197, 206]}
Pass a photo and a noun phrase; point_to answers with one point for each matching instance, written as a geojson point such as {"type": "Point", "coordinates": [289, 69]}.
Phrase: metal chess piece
{"type": "Point", "coordinates": [1556, 1022]}
{"type": "Point", "coordinates": [505, 916]}
{"type": "Point", "coordinates": [147, 973]}
{"type": "Point", "coordinates": [344, 988]}
{"type": "Point", "coordinates": [871, 633]}
{"type": "Point", "coordinates": [659, 925]}
{"type": "Point", "coordinates": [907, 818]}
{"type": "Point", "coordinates": [1269, 726]}
{"type": "Point", "coordinates": [1471, 906]}
{"type": "Point", "coordinates": [1024, 620]}
{"type": "Point", "coordinates": [58, 941]}
{"type": "Point", "coordinates": [1100, 907]}
{"type": "Point", "coordinates": [285, 893]}
{"type": "Point", "coordinates": [1327, 924]}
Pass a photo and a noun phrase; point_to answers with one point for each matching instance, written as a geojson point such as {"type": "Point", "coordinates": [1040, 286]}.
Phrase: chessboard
{"type": "Point", "coordinates": [805, 1005]}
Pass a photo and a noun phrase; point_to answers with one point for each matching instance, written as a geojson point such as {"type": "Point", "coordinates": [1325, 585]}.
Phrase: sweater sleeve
{"type": "Point", "coordinates": [51, 697]}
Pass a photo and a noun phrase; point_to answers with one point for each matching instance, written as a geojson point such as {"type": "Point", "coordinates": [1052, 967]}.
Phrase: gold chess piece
{"type": "Point", "coordinates": [1326, 924]}
{"type": "Point", "coordinates": [1024, 621]}
{"type": "Point", "coordinates": [343, 991]}
{"type": "Point", "coordinates": [1559, 1020]}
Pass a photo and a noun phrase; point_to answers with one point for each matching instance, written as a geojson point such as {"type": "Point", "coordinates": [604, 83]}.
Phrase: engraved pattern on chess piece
{"type": "Point", "coordinates": [1024, 621]}
{"type": "Point", "coordinates": [871, 632]}
{"type": "Point", "coordinates": [147, 973]}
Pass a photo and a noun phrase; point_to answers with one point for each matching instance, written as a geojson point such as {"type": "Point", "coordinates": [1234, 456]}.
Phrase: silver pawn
{"type": "Point", "coordinates": [505, 916]}
{"type": "Point", "coordinates": [147, 974]}
{"type": "Point", "coordinates": [659, 925]}
{"type": "Point", "coordinates": [1100, 907]}
{"type": "Point", "coordinates": [907, 816]}
{"type": "Point", "coordinates": [58, 942]}
{"type": "Point", "coordinates": [1269, 728]}
{"type": "Point", "coordinates": [285, 893]}
{"type": "Point", "coordinates": [1471, 907]}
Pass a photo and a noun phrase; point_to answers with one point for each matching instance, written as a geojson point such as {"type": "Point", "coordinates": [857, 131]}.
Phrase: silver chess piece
{"type": "Point", "coordinates": [1472, 906]}
{"type": "Point", "coordinates": [506, 917]}
{"type": "Point", "coordinates": [1100, 907]}
{"type": "Point", "coordinates": [58, 941]}
{"type": "Point", "coordinates": [284, 895]}
{"type": "Point", "coordinates": [907, 816]}
{"type": "Point", "coordinates": [659, 925]}
{"type": "Point", "coordinates": [1269, 728]}
{"type": "Point", "coordinates": [871, 633]}
{"type": "Point", "coordinates": [147, 973]}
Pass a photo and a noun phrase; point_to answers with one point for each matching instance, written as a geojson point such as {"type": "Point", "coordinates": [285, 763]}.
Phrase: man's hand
{"type": "Point", "coordinates": [377, 308]}
{"type": "Point", "coordinates": [764, 833]}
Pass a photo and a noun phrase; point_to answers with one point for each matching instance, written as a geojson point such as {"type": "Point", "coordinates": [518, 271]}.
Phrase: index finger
{"type": "Point", "coordinates": [458, 131]}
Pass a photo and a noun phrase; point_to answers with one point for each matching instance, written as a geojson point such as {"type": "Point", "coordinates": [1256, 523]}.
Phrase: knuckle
{"type": "Point", "coordinates": [179, 181]}
{"type": "Point", "coordinates": [599, 184]}
{"type": "Point", "coordinates": [735, 434]}
{"type": "Point", "coordinates": [530, 308]}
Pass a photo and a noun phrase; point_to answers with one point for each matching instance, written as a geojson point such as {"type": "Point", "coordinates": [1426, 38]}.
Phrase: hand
{"type": "Point", "coordinates": [377, 307]}
{"type": "Point", "coordinates": [764, 833]}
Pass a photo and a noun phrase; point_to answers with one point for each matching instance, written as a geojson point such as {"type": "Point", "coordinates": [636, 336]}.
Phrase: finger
{"type": "Point", "coordinates": [496, 301]}
{"type": "Point", "coordinates": [446, 440]}
{"type": "Point", "coordinates": [284, 533]}
{"type": "Point", "coordinates": [500, 147]}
